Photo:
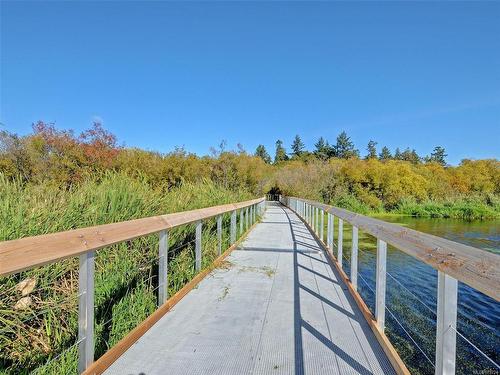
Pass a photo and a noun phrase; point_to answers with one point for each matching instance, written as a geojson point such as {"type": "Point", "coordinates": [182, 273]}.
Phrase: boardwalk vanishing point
{"type": "Point", "coordinates": [276, 306]}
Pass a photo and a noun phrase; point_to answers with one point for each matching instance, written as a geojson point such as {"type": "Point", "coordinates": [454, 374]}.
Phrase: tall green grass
{"type": "Point", "coordinates": [42, 337]}
{"type": "Point", "coordinates": [465, 208]}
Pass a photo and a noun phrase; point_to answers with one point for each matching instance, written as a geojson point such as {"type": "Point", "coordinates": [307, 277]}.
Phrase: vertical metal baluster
{"type": "Point", "coordinates": [322, 223]}
{"type": "Point", "coordinates": [380, 284]}
{"type": "Point", "coordinates": [446, 337]}
{"type": "Point", "coordinates": [354, 258]}
{"type": "Point", "coordinates": [86, 311]}
{"type": "Point", "coordinates": [329, 231]}
{"type": "Point", "coordinates": [219, 234]}
{"type": "Point", "coordinates": [198, 246]}
{"type": "Point", "coordinates": [333, 231]}
{"type": "Point", "coordinates": [232, 234]}
{"type": "Point", "coordinates": [241, 221]}
{"type": "Point", "coordinates": [163, 268]}
{"type": "Point", "coordinates": [340, 242]}
{"type": "Point", "coordinates": [317, 221]}
{"type": "Point", "coordinates": [246, 219]}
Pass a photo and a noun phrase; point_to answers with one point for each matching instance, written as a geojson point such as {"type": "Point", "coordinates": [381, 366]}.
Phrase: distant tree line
{"type": "Point", "coordinates": [344, 148]}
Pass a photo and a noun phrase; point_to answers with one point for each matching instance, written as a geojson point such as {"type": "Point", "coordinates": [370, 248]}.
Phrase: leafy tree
{"type": "Point", "coordinates": [385, 154]}
{"type": "Point", "coordinates": [280, 152]}
{"type": "Point", "coordinates": [438, 155]}
{"type": "Point", "coordinates": [345, 147]}
{"type": "Point", "coordinates": [372, 150]}
{"type": "Point", "coordinates": [297, 146]}
{"type": "Point", "coordinates": [261, 152]}
{"type": "Point", "coordinates": [323, 149]}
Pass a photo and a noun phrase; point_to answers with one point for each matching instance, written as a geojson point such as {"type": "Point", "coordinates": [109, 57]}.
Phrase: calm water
{"type": "Point", "coordinates": [411, 297]}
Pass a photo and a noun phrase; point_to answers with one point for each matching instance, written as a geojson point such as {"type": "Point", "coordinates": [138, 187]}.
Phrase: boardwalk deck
{"type": "Point", "coordinates": [276, 307]}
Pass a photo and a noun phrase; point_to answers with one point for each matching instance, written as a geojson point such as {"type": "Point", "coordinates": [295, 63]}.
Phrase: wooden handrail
{"type": "Point", "coordinates": [475, 267]}
{"type": "Point", "coordinates": [25, 253]}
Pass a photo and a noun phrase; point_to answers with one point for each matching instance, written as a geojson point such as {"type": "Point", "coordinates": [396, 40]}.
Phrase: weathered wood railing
{"type": "Point", "coordinates": [26, 253]}
{"type": "Point", "coordinates": [454, 262]}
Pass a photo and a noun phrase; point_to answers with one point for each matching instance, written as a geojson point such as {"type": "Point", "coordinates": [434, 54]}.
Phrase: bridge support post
{"type": "Point", "coordinates": [380, 284]}
{"type": "Point", "coordinates": [446, 336]}
{"type": "Point", "coordinates": [198, 246]}
{"type": "Point", "coordinates": [232, 230]}
{"type": "Point", "coordinates": [163, 268]}
{"type": "Point", "coordinates": [354, 258]}
{"type": "Point", "coordinates": [219, 235]}
{"type": "Point", "coordinates": [340, 242]}
{"type": "Point", "coordinates": [86, 311]}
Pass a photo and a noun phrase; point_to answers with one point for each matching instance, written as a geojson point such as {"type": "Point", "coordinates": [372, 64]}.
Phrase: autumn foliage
{"type": "Point", "coordinates": [64, 159]}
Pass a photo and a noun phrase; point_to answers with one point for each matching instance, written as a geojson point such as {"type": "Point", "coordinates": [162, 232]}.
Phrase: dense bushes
{"type": "Point", "coordinates": [468, 191]}
{"type": "Point", "coordinates": [61, 158]}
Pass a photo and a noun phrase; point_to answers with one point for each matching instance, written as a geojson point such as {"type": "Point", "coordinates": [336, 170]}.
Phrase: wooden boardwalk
{"type": "Point", "coordinates": [276, 306]}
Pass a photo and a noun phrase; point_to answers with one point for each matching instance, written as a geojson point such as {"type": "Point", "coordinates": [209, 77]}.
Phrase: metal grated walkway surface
{"type": "Point", "coordinates": [277, 307]}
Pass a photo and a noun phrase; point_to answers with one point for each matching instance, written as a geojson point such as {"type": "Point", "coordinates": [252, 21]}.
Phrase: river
{"type": "Point", "coordinates": [411, 297]}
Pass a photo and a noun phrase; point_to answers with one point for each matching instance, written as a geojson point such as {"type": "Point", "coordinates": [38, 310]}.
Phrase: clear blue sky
{"type": "Point", "coordinates": [163, 74]}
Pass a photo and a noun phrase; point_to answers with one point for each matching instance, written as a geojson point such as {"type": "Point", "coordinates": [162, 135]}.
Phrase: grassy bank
{"type": "Point", "coordinates": [465, 208]}
{"type": "Point", "coordinates": [41, 332]}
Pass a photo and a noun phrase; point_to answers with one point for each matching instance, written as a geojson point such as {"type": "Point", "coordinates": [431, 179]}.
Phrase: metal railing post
{"type": "Point", "coordinates": [163, 268]}
{"type": "Point", "coordinates": [380, 284]}
{"type": "Point", "coordinates": [86, 311]}
{"type": "Point", "coordinates": [340, 242]}
{"type": "Point", "coordinates": [241, 221]}
{"type": "Point", "coordinates": [198, 246]}
{"type": "Point", "coordinates": [354, 258]}
{"type": "Point", "coordinates": [317, 221]}
{"type": "Point", "coordinates": [322, 223]}
{"type": "Point", "coordinates": [219, 235]}
{"type": "Point", "coordinates": [329, 232]}
{"type": "Point", "coordinates": [232, 235]}
{"type": "Point", "coordinates": [446, 336]}
{"type": "Point", "coordinates": [313, 222]}
{"type": "Point", "coordinates": [246, 218]}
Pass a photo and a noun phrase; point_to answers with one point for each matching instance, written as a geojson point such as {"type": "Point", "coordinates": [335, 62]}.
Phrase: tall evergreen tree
{"type": "Point", "coordinates": [280, 152]}
{"type": "Point", "coordinates": [411, 156]}
{"type": "Point", "coordinates": [438, 155]}
{"type": "Point", "coordinates": [344, 147]}
{"type": "Point", "coordinates": [397, 154]}
{"type": "Point", "coordinates": [297, 146]}
{"type": "Point", "coordinates": [385, 154]}
{"type": "Point", "coordinates": [323, 149]}
{"type": "Point", "coordinates": [372, 150]}
{"type": "Point", "coordinates": [261, 152]}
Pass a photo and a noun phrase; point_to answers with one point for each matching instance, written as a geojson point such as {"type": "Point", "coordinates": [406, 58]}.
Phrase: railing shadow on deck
{"type": "Point", "coordinates": [454, 262]}
{"type": "Point", "coordinates": [300, 324]}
